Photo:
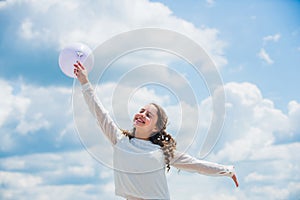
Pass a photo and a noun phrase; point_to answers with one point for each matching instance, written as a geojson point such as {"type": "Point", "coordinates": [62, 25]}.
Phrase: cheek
{"type": "Point", "coordinates": [148, 121]}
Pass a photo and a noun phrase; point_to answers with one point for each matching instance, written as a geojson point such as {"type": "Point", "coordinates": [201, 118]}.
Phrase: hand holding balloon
{"type": "Point", "coordinates": [81, 73]}
{"type": "Point", "coordinates": [73, 53]}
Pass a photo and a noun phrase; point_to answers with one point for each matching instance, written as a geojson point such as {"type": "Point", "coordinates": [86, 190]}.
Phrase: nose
{"type": "Point", "coordinates": [143, 114]}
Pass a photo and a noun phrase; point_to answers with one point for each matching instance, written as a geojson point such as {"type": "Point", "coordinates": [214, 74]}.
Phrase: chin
{"type": "Point", "coordinates": [137, 126]}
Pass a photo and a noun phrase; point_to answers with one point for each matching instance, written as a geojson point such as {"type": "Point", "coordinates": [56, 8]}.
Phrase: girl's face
{"type": "Point", "coordinates": [145, 120]}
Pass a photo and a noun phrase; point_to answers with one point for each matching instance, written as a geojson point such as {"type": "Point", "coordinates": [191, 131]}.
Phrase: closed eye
{"type": "Point", "coordinates": [142, 110]}
{"type": "Point", "coordinates": [148, 114]}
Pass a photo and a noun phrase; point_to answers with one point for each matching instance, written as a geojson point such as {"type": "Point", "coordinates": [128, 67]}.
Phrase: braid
{"type": "Point", "coordinates": [162, 138]}
{"type": "Point", "coordinates": [167, 143]}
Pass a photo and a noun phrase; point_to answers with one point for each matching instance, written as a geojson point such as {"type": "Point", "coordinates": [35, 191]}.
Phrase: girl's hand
{"type": "Point", "coordinates": [81, 73]}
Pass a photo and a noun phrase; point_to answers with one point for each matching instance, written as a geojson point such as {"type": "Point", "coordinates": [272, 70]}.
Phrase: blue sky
{"type": "Point", "coordinates": [256, 47]}
{"type": "Point", "coordinates": [243, 25]}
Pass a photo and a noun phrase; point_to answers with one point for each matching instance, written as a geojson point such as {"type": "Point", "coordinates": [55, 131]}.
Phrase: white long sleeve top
{"type": "Point", "coordinates": [139, 168]}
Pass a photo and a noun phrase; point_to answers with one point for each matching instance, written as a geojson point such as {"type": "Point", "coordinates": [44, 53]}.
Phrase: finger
{"type": "Point", "coordinates": [76, 67]}
{"type": "Point", "coordinates": [76, 72]}
{"type": "Point", "coordinates": [80, 65]}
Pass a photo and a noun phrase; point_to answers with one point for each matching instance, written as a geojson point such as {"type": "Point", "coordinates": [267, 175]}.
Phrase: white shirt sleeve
{"type": "Point", "coordinates": [102, 116]}
{"type": "Point", "coordinates": [188, 163]}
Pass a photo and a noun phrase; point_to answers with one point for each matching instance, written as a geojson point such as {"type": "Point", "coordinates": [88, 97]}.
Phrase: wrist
{"type": "Point", "coordinates": [84, 81]}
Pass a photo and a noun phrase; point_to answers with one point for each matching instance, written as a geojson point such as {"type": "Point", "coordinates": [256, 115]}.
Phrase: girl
{"type": "Point", "coordinates": [141, 156]}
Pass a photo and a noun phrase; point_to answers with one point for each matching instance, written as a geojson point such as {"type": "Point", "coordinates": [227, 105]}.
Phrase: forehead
{"type": "Point", "coordinates": [151, 108]}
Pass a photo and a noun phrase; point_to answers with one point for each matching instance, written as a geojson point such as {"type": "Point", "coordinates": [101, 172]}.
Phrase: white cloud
{"type": "Point", "coordinates": [249, 136]}
{"type": "Point", "coordinates": [27, 30]}
{"type": "Point", "coordinates": [31, 110]}
{"type": "Point", "coordinates": [265, 56]}
{"type": "Point", "coordinates": [32, 124]}
{"type": "Point", "coordinates": [102, 20]}
{"type": "Point", "coordinates": [13, 163]}
{"type": "Point", "coordinates": [254, 176]}
{"type": "Point", "coordinates": [273, 38]}
{"type": "Point", "coordinates": [262, 53]}
{"type": "Point", "coordinates": [19, 180]}
{"type": "Point", "coordinates": [46, 103]}
{"type": "Point", "coordinates": [39, 176]}
{"type": "Point", "coordinates": [210, 2]}
{"type": "Point", "coordinates": [249, 141]}
{"type": "Point", "coordinates": [12, 107]}
{"type": "Point", "coordinates": [3, 4]}
{"type": "Point", "coordinates": [294, 115]}
{"type": "Point", "coordinates": [254, 120]}
{"type": "Point", "coordinates": [11, 104]}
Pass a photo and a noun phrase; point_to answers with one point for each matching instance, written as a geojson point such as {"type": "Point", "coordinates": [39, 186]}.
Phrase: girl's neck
{"type": "Point", "coordinates": [147, 139]}
{"type": "Point", "coordinates": [139, 136]}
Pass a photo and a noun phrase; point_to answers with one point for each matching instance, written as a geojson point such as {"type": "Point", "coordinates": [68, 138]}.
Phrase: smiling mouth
{"type": "Point", "coordinates": [139, 120]}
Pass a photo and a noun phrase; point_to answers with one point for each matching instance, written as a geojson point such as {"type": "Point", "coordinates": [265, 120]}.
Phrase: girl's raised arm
{"type": "Point", "coordinates": [104, 120]}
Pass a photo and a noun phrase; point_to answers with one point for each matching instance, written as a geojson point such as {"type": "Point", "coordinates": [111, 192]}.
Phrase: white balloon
{"type": "Point", "coordinates": [73, 53]}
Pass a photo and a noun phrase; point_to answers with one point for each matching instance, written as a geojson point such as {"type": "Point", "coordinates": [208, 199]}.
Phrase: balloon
{"type": "Point", "coordinates": [72, 53]}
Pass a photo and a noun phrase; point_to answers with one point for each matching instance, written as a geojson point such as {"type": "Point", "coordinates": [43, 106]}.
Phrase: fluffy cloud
{"type": "Point", "coordinates": [265, 56]}
{"type": "Point", "coordinates": [250, 140]}
{"type": "Point", "coordinates": [255, 121]}
{"type": "Point", "coordinates": [253, 133]}
{"type": "Point", "coordinates": [16, 180]}
{"type": "Point", "coordinates": [39, 119]}
{"type": "Point", "coordinates": [54, 175]}
{"type": "Point", "coordinates": [273, 38]}
{"type": "Point", "coordinates": [294, 115]}
{"type": "Point", "coordinates": [12, 107]}
{"type": "Point", "coordinates": [11, 104]}
{"type": "Point", "coordinates": [97, 21]}
{"type": "Point", "coordinates": [30, 117]}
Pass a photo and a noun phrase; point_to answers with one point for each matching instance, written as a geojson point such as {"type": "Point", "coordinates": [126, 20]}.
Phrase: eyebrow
{"type": "Point", "coordinates": [147, 111]}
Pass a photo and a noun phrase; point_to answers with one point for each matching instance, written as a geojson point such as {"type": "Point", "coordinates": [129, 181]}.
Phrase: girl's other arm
{"type": "Point", "coordinates": [186, 162]}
